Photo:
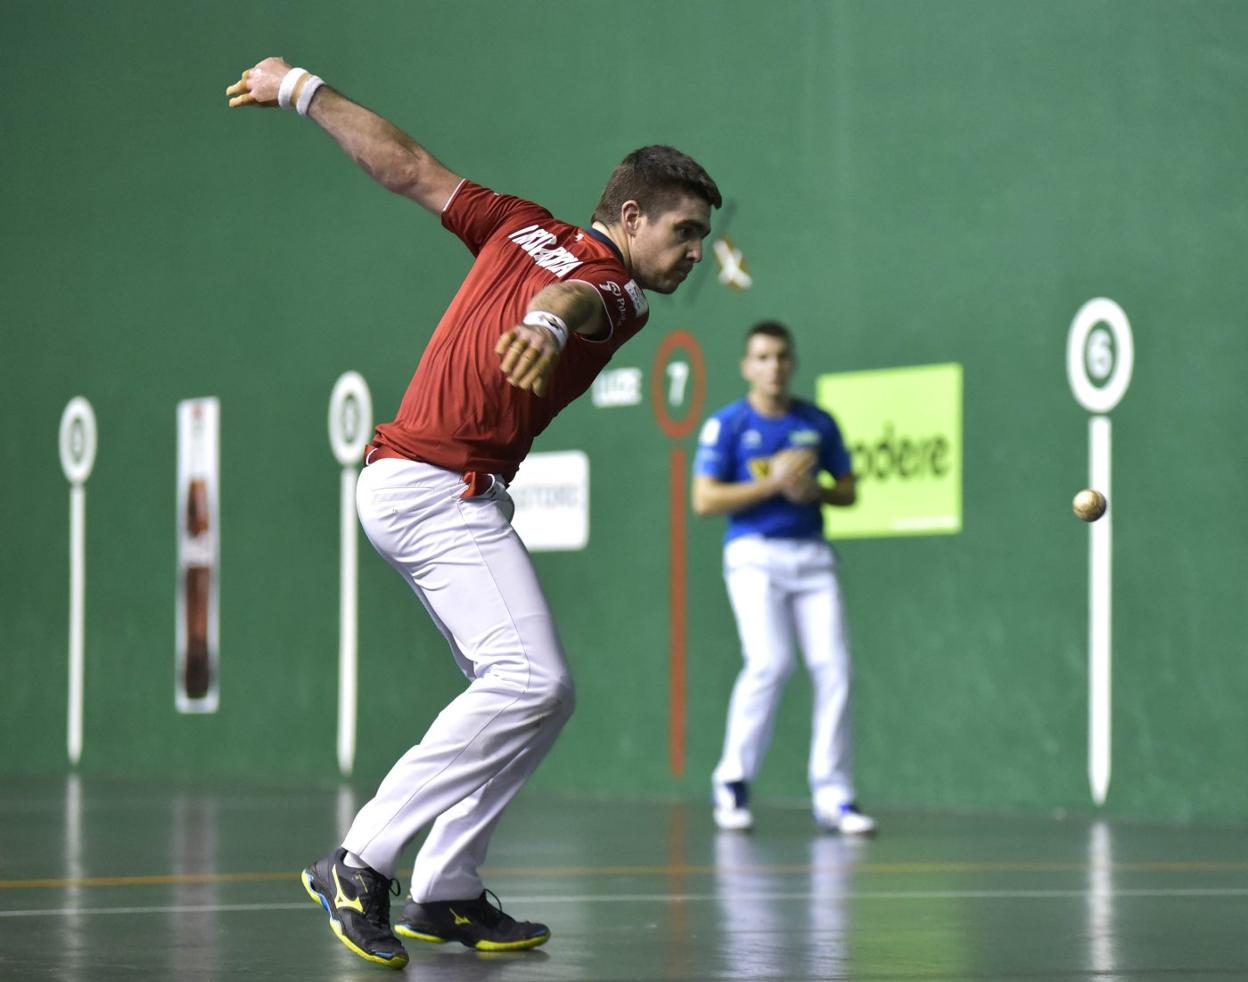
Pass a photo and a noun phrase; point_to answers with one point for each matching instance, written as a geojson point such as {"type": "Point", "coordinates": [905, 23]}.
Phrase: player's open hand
{"type": "Point", "coordinates": [259, 85]}
{"type": "Point", "coordinates": [528, 355]}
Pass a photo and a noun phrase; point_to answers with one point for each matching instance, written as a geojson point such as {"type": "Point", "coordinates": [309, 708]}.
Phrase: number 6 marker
{"type": "Point", "coordinates": [1099, 358]}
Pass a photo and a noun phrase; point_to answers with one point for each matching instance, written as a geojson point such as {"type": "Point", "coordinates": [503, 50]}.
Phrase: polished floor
{"type": "Point", "coordinates": [108, 881]}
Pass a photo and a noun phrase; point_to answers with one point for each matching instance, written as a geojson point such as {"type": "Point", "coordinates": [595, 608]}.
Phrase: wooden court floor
{"type": "Point", "coordinates": [108, 881]}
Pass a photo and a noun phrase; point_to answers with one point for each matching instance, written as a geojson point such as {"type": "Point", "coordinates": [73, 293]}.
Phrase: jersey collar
{"type": "Point", "coordinates": [605, 240]}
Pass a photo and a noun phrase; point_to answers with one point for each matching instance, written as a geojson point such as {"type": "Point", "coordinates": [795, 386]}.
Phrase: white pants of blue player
{"type": "Point", "coordinates": [784, 593]}
{"type": "Point", "coordinates": [474, 576]}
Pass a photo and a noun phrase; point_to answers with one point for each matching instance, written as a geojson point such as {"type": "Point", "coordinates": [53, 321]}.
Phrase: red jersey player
{"type": "Point", "coordinates": [542, 310]}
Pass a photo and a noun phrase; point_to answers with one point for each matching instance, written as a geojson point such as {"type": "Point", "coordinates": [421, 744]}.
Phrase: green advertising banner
{"type": "Point", "coordinates": [903, 427]}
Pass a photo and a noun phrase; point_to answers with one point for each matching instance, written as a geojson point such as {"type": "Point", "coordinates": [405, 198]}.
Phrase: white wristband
{"type": "Point", "coordinates": [287, 88]}
{"type": "Point", "coordinates": [309, 90]}
{"type": "Point", "coordinates": [552, 322]}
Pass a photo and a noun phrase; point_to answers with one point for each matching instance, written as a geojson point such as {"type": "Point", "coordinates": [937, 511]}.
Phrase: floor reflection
{"type": "Point", "coordinates": [194, 848]}
{"type": "Point", "coordinates": [783, 915]}
{"type": "Point", "coordinates": [676, 958]}
{"type": "Point", "coordinates": [72, 925]}
{"type": "Point", "coordinates": [345, 809]}
{"type": "Point", "coordinates": [1102, 931]}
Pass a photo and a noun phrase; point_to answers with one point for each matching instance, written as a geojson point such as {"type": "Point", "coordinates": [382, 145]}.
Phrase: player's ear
{"type": "Point", "coordinates": [630, 216]}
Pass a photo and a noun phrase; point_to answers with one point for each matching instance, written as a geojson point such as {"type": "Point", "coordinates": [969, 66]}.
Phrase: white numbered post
{"type": "Point", "coordinates": [350, 425]}
{"type": "Point", "coordinates": [77, 445]}
{"type": "Point", "coordinates": [1099, 357]}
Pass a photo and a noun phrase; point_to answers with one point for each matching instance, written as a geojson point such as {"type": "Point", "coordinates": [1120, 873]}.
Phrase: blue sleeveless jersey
{"type": "Point", "coordinates": [736, 445]}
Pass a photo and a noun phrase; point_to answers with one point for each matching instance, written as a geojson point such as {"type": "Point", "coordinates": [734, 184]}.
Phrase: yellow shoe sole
{"type": "Point", "coordinates": [404, 931]}
{"type": "Point", "coordinates": [398, 961]}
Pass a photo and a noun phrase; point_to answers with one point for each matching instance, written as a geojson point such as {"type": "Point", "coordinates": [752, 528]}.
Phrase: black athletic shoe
{"type": "Point", "coordinates": [732, 806]}
{"type": "Point", "coordinates": [476, 923]}
{"type": "Point", "coordinates": [358, 904]}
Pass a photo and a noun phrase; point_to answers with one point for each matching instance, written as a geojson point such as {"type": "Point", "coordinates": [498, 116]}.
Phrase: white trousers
{"type": "Point", "coordinates": [782, 591]}
{"type": "Point", "coordinates": [474, 576]}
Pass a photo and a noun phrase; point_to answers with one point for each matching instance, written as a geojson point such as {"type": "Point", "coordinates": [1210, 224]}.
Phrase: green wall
{"type": "Point", "coordinates": [911, 183]}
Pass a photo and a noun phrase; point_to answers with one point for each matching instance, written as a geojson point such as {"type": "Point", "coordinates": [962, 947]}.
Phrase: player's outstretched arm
{"type": "Point", "coordinates": [387, 154]}
{"type": "Point", "coordinates": [529, 351]}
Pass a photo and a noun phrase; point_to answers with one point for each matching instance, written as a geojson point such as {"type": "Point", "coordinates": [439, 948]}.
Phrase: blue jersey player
{"type": "Point", "coordinates": [759, 462]}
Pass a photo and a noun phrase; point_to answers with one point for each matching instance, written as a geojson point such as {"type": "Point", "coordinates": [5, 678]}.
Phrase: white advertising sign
{"type": "Point", "coordinates": [551, 493]}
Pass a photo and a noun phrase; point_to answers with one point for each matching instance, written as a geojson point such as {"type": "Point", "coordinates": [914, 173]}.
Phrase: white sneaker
{"type": "Point", "coordinates": [732, 811]}
{"type": "Point", "coordinates": [846, 819]}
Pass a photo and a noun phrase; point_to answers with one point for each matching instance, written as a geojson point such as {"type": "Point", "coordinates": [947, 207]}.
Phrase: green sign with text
{"type": "Point", "coordinates": [903, 427]}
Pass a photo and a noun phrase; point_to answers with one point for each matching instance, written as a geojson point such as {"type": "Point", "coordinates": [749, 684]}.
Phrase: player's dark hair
{"type": "Point", "coordinates": [654, 177]}
{"type": "Point", "coordinates": [772, 329]}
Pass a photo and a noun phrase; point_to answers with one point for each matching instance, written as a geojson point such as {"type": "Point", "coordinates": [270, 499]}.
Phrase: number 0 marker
{"type": "Point", "coordinates": [77, 445]}
{"type": "Point", "coordinates": [350, 425]}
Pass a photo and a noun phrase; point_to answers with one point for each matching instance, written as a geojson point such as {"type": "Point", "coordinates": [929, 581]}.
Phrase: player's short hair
{"type": "Point", "coordinates": [771, 329]}
{"type": "Point", "coordinates": [654, 177]}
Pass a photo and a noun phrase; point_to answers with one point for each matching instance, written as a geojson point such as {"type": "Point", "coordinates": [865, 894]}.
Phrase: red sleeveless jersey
{"type": "Point", "coordinates": [459, 411]}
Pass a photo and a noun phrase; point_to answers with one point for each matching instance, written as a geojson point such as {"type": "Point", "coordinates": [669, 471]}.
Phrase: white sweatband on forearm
{"type": "Point", "coordinates": [552, 322]}
{"type": "Point", "coordinates": [287, 88]}
{"type": "Point", "coordinates": [309, 90]}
